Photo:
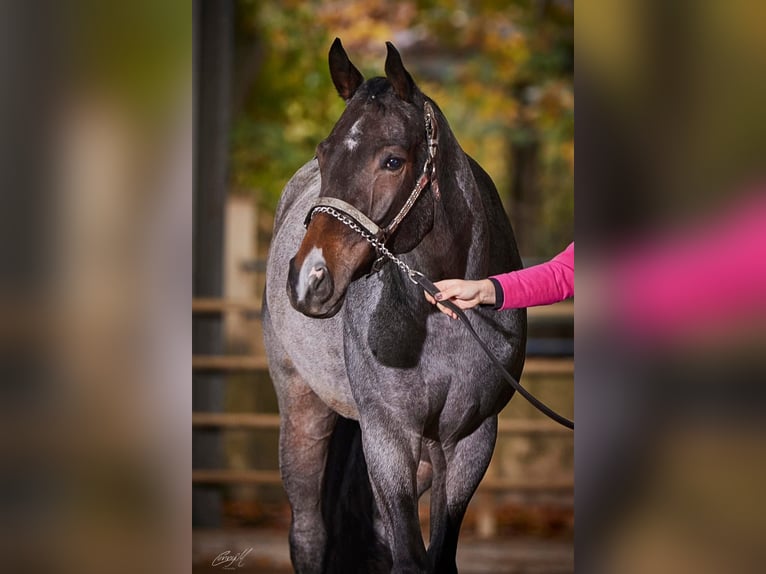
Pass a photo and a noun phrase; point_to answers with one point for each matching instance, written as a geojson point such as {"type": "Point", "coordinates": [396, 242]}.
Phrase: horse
{"type": "Point", "coordinates": [382, 397]}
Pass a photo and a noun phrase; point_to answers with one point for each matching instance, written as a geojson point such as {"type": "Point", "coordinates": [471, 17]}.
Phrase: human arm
{"type": "Point", "coordinates": [542, 284]}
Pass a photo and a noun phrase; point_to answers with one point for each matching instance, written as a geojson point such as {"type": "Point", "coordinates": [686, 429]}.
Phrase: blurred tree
{"type": "Point", "coordinates": [284, 99]}
{"type": "Point", "coordinates": [501, 70]}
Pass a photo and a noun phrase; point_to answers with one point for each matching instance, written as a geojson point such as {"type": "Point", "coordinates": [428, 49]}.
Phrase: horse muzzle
{"type": "Point", "coordinates": [310, 287]}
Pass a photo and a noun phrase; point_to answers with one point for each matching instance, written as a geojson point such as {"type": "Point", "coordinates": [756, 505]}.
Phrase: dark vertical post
{"type": "Point", "coordinates": [213, 47]}
{"type": "Point", "coordinates": [525, 191]}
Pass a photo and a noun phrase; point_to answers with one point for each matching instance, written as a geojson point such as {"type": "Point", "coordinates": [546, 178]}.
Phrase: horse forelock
{"type": "Point", "coordinates": [374, 88]}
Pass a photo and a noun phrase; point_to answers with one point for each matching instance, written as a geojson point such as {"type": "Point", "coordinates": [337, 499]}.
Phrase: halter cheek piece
{"type": "Point", "coordinates": [381, 235]}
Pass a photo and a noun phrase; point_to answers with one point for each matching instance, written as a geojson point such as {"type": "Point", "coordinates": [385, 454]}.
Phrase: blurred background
{"type": "Point", "coordinates": [95, 332]}
{"type": "Point", "coordinates": [671, 277]}
{"type": "Point", "coordinates": [100, 202]}
{"type": "Point", "coordinates": [502, 72]}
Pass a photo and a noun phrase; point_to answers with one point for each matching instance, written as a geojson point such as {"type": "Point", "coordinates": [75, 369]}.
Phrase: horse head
{"type": "Point", "coordinates": [375, 158]}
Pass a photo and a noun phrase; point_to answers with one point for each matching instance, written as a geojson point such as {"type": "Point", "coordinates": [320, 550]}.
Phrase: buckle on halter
{"type": "Point", "coordinates": [417, 278]}
{"type": "Point", "coordinates": [377, 265]}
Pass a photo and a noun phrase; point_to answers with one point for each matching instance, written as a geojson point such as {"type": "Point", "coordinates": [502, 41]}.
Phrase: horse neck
{"type": "Point", "coordinates": [456, 246]}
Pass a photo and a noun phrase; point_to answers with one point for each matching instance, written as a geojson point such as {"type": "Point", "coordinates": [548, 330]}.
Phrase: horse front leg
{"type": "Point", "coordinates": [305, 428]}
{"type": "Point", "coordinates": [392, 454]}
{"type": "Point", "coordinates": [466, 462]}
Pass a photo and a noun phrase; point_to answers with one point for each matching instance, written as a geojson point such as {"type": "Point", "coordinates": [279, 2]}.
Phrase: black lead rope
{"type": "Point", "coordinates": [431, 289]}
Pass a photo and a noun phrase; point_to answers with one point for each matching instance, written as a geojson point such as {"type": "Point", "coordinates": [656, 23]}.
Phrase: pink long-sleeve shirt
{"type": "Point", "coordinates": [543, 284]}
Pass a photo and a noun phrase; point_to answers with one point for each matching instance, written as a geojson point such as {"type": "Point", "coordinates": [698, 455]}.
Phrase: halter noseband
{"type": "Point", "coordinates": [372, 228]}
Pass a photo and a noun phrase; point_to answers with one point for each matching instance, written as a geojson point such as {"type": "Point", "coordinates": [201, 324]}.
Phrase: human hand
{"type": "Point", "coordinates": [466, 294]}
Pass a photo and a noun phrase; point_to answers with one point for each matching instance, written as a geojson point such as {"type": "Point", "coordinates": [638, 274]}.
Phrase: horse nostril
{"type": "Point", "coordinates": [320, 284]}
{"type": "Point", "coordinates": [317, 275]}
{"type": "Point", "coordinates": [309, 285]}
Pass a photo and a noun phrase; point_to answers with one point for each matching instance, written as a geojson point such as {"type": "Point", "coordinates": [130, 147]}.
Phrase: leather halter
{"type": "Point", "coordinates": [427, 176]}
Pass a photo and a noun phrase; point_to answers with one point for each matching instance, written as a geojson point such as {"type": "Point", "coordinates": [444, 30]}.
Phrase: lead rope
{"type": "Point", "coordinates": [432, 290]}
{"type": "Point", "coordinates": [426, 284]}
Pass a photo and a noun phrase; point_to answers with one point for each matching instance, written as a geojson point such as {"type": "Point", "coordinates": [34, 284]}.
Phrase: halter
{"type": "Point", "coordinates": [381, 235]}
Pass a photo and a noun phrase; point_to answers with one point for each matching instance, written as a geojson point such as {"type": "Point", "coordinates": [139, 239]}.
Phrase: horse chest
{"type": "Point", "coordinates": [425, 367]}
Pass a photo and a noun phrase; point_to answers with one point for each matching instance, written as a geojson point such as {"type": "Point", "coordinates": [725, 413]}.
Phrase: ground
{"type": "Point", "coordinates": [270, 554]}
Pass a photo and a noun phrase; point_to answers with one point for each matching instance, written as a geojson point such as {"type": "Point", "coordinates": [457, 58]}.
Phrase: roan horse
{"type": "Point", "coordinates": [380, 395]}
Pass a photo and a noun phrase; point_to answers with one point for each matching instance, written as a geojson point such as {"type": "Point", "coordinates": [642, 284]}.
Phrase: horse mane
{"type": "Point", "coordinates": [468, 189]}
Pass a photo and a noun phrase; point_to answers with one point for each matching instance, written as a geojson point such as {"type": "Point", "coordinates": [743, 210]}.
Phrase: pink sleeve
{"type": "Point", "coordinates": [543, 284]}
{"type": "Point", "coordinates": [699, 282]}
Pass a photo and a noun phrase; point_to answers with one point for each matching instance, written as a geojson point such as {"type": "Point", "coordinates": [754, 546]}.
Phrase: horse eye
{"type": "Point", "coordinates": [393, 163]}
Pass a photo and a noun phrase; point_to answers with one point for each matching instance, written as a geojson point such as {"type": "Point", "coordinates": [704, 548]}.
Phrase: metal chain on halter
{"type": "Point", "coordinates": [375, 242]}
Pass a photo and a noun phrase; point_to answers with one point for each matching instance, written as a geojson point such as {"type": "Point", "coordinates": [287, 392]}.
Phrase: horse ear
{"type": "Point", "coordinates": [400, 79]}
{"type": "Point", "coordinates": [344, 75]}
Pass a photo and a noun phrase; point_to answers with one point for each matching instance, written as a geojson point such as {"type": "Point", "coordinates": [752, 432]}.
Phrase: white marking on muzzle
{"type": "Point", "coordinates": [352, 140]}
{"type": "Point", "coordinates": [313, 259]}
